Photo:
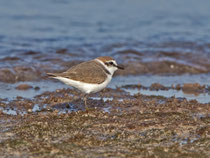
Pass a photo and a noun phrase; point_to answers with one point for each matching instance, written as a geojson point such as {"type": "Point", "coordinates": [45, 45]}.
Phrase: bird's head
{"type": "Point", "coordinates": [110, 64]}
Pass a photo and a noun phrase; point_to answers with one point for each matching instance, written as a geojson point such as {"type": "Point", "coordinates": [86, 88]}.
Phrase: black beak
{"type": "Point", "coordinates": [120, 67]}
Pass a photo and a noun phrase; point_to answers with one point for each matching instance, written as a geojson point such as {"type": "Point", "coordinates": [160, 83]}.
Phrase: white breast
{"type": "Point", "coordinates": [85, 87]}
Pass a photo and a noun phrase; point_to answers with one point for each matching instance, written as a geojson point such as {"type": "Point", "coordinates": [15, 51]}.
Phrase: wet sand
{"type": "Point", "coordinates": [115, 124]}
{"type": "Point", "coordinates": [137, 126]}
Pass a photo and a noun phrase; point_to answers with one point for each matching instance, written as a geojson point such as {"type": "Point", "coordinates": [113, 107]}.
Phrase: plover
{"type": "Point", "coordinates": [90, 76]}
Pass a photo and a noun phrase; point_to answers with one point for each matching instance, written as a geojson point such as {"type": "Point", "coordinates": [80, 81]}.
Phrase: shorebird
{"type": "Point", "coordinates": [89, 77]}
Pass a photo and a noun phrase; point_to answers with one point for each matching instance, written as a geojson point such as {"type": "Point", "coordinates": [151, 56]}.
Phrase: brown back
{"type": "Point", "coordinates": [88, 72]}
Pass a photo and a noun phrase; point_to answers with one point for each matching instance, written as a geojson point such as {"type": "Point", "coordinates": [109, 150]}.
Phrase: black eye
{"type": "Point", "coordinates": [111, 63]}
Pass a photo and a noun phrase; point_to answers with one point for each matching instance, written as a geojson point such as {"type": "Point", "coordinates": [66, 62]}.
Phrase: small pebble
{"type": "Point", "coordinates": [23, 87]}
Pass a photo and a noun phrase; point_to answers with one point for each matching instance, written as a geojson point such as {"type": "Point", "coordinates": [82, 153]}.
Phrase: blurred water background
{"type": "Point", "coordinates": [97, 27]}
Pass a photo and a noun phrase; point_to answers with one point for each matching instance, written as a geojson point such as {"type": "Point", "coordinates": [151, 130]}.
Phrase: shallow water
{"type": "Point", "coordinates": [9, 92]}
{"type": "Point", "coordinates": [147, 80]}
{"type": "Point", "coordinates": [201, 98]}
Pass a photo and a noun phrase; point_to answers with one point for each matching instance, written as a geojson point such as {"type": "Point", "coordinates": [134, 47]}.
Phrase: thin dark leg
{"type": "Point", "coordinates": [85, 100]}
